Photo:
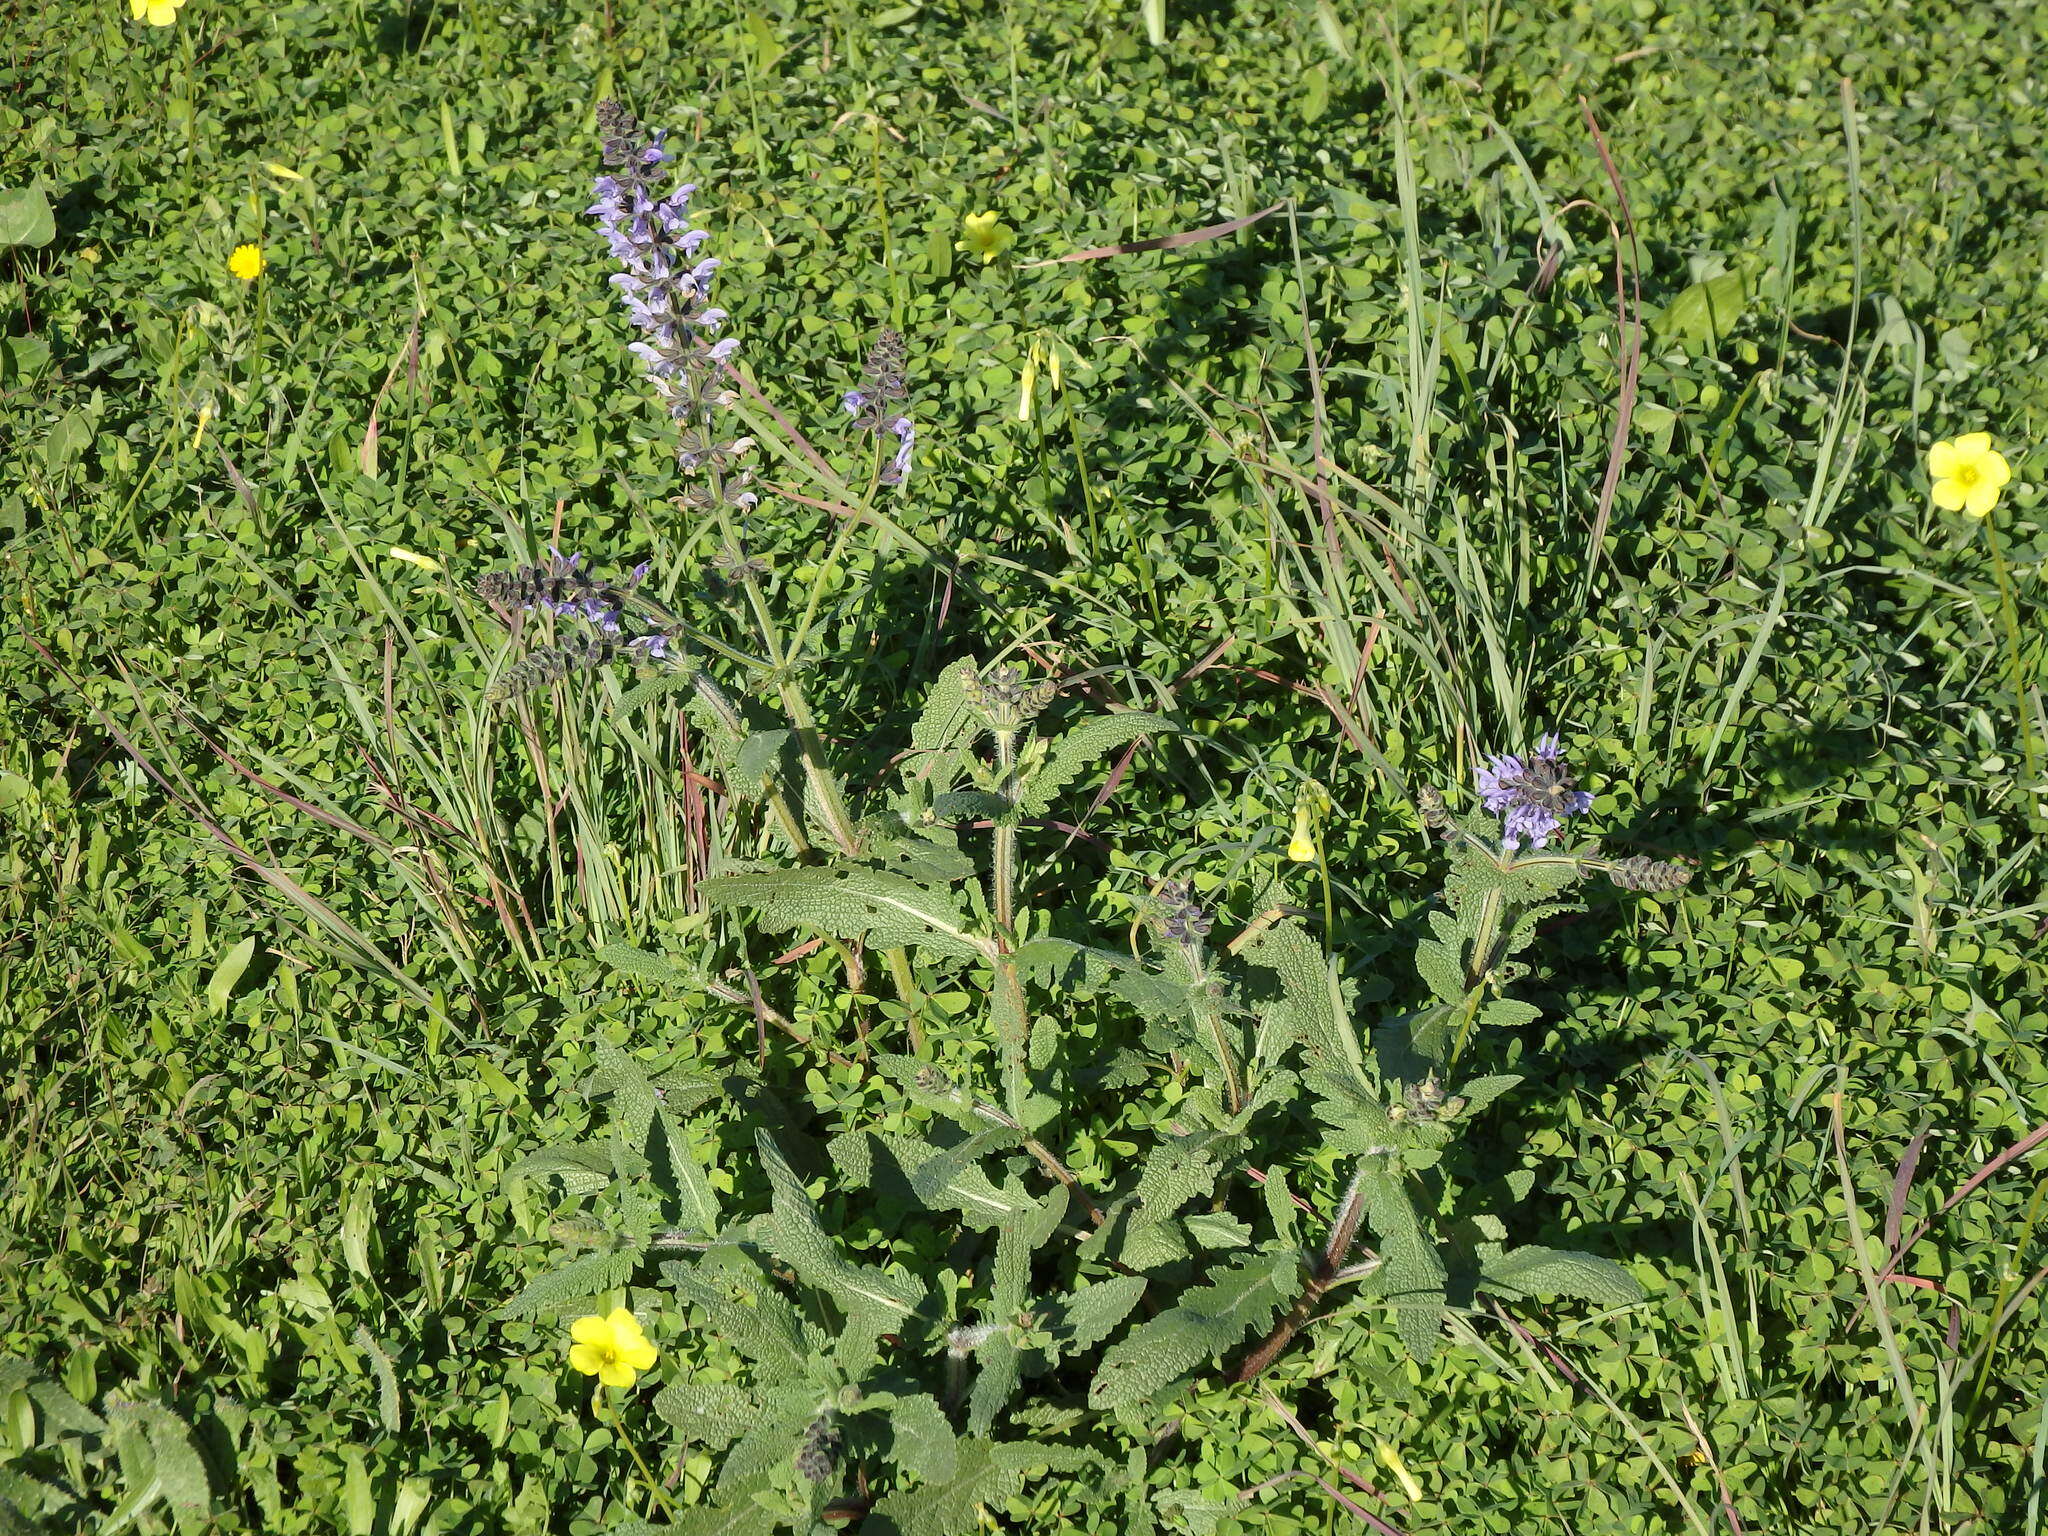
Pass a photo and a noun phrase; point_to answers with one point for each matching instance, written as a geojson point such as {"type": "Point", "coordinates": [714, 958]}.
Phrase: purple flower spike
{"type": "Point", "coordinates": [665, 287]}
{"type": "Point", "coordinates": [1534, 795]}
{"type": "Point", "coordinates": [873, 406]}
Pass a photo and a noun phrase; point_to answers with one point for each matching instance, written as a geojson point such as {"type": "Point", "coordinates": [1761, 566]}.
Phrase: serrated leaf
{"type": "Point", "coordinates": [1216, 1229]}
{"type": "Point", "coordinates": [925, 1444]}
{"type": "Point", "coordinates": [1538, 1271]}
{"type": "Point", "coordinates": [768, 1332]}
{"type": "Point", "coordinates": [655, 687]}
{"type": "Point", "coordinates": [1358, 1122]}
{"type": "Point", "coordinates": [1482, 1091]}
{"type": "Point", "coordinates": [389, 1413]}
{"type": "Point", "coordinates": [937, 1178]}
{"type": "Point", "coordinates": [742, 1515]}
{"type": "Point", "coordinates": [1209, 1321]}
{"type": "Point", "coordinates": [969, 805]}
{"type": "Point", "coordinates": [999, 1368]}
{"type": "Point", "coordinates": [696, 1206]}
{"type": "Point", "coordinates": [711, 1414]}
{"type": "Point", "coordinates": [581, 1170]}
{"type": "Point", "coordinates": [985, 1472]}
{"type": "Point", "coordinates": [642, 966]}
{"type": "Point", "coordinates": [762, 754]}
{"type": "Point", "coordinates": [575, 1282]}
{"type": "Point", "coordinates": [1441, 970]}
{"type": "Point", "coordinates": [883, 909]}
{"type": "Point", "coordinates": [1508, 1013]}
{"type": "Point", "coordinates": [1081, 747]}
{"type": "Point", "coordinates": [1411, 1276]}
{"type": "Point", "coordinates": [945, 728]}
{"type": "Point", "coordinates": [799, 1239]}
{"type": "Point", "coordinates": [1091, 1314]}
{"type": "Point", "coordinates": [1311, 1007]}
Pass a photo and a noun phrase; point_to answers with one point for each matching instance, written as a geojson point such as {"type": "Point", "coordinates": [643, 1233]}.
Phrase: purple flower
{"type": "Point", "coordinates": [873, 405]}
{"type": "Point", "coordinates": [664, 286]}
{"type": "Point", "coordinates": [899, 466]}
{"type": "Point", "coordinates": [654, 647]}
{"type": "Point", "coordinates": [1532, 795]}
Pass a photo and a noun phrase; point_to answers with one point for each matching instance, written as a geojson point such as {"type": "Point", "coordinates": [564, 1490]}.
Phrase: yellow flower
{"type": "Point", "coordinates": [987, 236]}
{"type": "Point", "coordinates": [424, 562]}
{"type": "Point", "coordinates": [611, 1348]}
{"type": "Point", "coordinates": [247, 263]}
{"type": "Point", "coordinates": [1302, 847]}
{"type": "Point", "coordinates": [1968, 474]}
{"type": "Point", "coordinates": [158, 13]}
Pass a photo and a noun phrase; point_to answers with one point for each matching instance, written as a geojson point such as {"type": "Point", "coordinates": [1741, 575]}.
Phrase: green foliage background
{"type": "Point", "coordinates": [251, 1185]}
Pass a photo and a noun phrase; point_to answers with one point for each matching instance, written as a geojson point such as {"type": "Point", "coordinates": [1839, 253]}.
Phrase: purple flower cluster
{"type": "Point", "coordinates": [1532, 795]}
{"type": "Point", "coordinates": [666, 287]}
{"type": "Point", "coordinates": [873, 405]}
{"type": "Point", "coordinates": [561, 586]}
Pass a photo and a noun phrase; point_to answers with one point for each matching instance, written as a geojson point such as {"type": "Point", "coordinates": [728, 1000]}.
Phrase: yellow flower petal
{"type": "Point", "coordinates": [424, 562]}
{"type": "Point", "coordinates": [1982, 498]}
{"type": "Point", "coordinates": [1941, 460]}
{"type": "Point", "coordinates": [1302, 851]}
{"type": "Point", "coordinates": [588, 1358]}
{"type": "Point", "coordinates": [1972, 444]}
{"type": "Point", "coordinates": [617, 1374]}
{"type": "Point", "coordinates": [622, 1320]}
{"type": "Point", "coordinates": [639, 1354]}
{"type": "Point", "coordinates": [591, 1330]}
{"type": "Point", "coordinates": [1996, 470]}
{"type": "Point", "coordinates": [1949, 495]}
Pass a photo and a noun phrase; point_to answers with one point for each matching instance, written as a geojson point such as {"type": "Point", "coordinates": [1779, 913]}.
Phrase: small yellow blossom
{"type": "Point", "coordinates": [611, 1348]}
{"type": "Point", "coordinates": [283, 172]}
{"type": "Point", "coordinates": [987, 236]}
{"type": "Point", "coordinates": [158, 13]}
{"type": "Point", "coordinates": [1968, 474]}
{"type": "Point", "coordinates": [424, 562]}
{"type": "Point", "coordinates": [247, 262]}
{"type": "Point", "coordinates": [1302, 846]}
{"type": "Point", "coordinates": [1400, 1470]}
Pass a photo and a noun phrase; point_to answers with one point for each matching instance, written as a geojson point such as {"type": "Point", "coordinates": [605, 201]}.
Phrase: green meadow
{"type": "Point", "coordinates": [942, 902]}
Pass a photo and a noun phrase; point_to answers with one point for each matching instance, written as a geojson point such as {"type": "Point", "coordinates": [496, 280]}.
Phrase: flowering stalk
{"type": "Point", "coordinates": [873, 405]}
{"type": "Point", "coordinates": [666, 287]}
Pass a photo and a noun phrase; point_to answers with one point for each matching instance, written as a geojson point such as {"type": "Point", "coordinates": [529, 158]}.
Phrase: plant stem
{"type": "Point", "coordinates": [905, 980]}
{"type": "Point", "coordinates": [1211, 1012]}
{"type": "Point", "coordinates": [2015, 666]}
{"type": "Point", "coordinates": [607, 1409]}
{"type": "Point", "coordinates": [1003, 880]}
{"type": "Point", "coordinates": [1328, 1272]}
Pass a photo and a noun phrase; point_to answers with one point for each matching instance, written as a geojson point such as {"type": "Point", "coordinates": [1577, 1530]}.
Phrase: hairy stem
{"type": "Point", "coordinates": [1328, 1268]}
{"type": "Point", "coordinates": [1003, 880]}
{"type": "Point", "coordinates": [1210, 1011]}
